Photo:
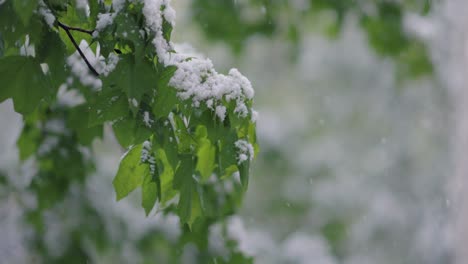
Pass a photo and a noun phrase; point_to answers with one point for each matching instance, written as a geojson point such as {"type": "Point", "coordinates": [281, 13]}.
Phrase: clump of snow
{"type": "Point", "coordinates": [221, 111]}
{"type": "Point", "coordinates": [103, 21]}
{"type": "Point", "coordinates": [145, 151]}
{"type": "Point", "coordinates": [56, 126]}
{"type": "Point", "coordinates": [84, 5]}
{"type": "Point", "coordinates": [196, 78]}
{"type": "Point", "coordinates": [134, 102]}
{"type": "Point", "coordinates": [109, 66]}
{"type": "Point", "coordinates": [147, 119]}
{"type": "Point", "coordinates": [49, 143]}
{"type": "Point", "coordinates": [27, 49]}
{"type": "Point", "coordinates": [99, 63]}
{"type": "Point", "coordinates": [46, 13]}
{"type": "Point", "coordinates": [118, 5]}
{"type": "Point", "coordinates": [245, 150]}
{"type": "Point", "coordinates": [45, 68]}
{"type": "Point", "coordinates": [254, 117]}
{"type": "Point", "coordinates": [106, 19]}
{"type": "Point", "coordinates": [81, 70]}
{"type": "Point", "coordinates": [147, 157]}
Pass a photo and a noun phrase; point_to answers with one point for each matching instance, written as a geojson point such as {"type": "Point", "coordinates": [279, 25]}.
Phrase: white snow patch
{"type": "Point", "coordinates": [103, 20]}
{"type": "Point", "coordinates": [195, 78]}
{"type": "Point", "coordinates": [147, 119]}
{"type": "Point", "coordinates": [246, 150]}
{"type": "Point", "coordinates": [81, 70]}
{"type": "Point", "coordinates": [69, 98]}
{"type": "Point", "coordinates": [27, 49]}
{"type": "Point", "coordinates": [46, 13]}
{"type": "Point", "coordinates": [221, 112]}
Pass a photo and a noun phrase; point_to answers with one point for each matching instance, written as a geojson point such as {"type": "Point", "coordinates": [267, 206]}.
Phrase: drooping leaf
{"type": "Point", "coordinates": [189, 208]}
{"type": "Point", "coordinates": [25, 9]}
{"type": "Point", "coordinates": [23, 80]}
{"type": "Point", "coordinates": [110, 105]}
{"type": "Point", "coordinates": [149, 193]}
{"type": "Point", "coordinates": [205, 154]}
{"type": "Point", "coordinates": [27, 142]}
{"type": "Point", "coordinates": [166, 96]}
{"type": "Point", "coordinates": [131, 172]}
{"type": "Point", "coordinates": [52, 51]}
{"type": "Point", "coordinates": [78, 120]}
{"type": "Point", "coordinates": [135, 79]}
{"type": "Point", "coordinates": [166, 176]}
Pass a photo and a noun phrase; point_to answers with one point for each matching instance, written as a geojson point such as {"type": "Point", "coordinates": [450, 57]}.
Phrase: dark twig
{"type": "Point", "coordinates": [67, 30]}
{"type": "Point", "coordinates": [90, 32]}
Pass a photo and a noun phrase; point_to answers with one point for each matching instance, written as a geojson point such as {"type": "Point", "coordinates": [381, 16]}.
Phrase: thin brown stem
{"type": "Point", "coordinates": [67, 30]}
{"type": "Point", "coordinates": [90, 32]}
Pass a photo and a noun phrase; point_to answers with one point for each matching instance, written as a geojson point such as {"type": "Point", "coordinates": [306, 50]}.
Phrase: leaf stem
{"type": "Point", "coordinates": [67, 30]}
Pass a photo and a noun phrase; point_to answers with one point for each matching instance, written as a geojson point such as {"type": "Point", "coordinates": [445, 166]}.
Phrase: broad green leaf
{"type": "Point", "coordinates": [127, 33]}
{"type": "Point", "coordinates": [110, 105]}
{"type": "Point", "coordinates": [2, 45]}
{"type": "Point", "coordinates": [166, 176]}
{"type": "Point", "coordinates": [24, 9]}
{"type": "Point", "coordinates": [78, 120]}
{"type": "Point", "coordinates": [27, 142]}
{"type": "Point", "coordinates": [185, 139]}
{"type": "Point", "coordinates": [166, 96]}
{"type": "Point", "coordinates": [205, 154]}
{"type": "Point", "coordinates": [167, 30]}
{"type": "Point", "coordinates": [189, 208]}
{"type": "Point", "coordinates": [244, 173]}
{"type": "Point", "coordinates": [52, 51]}
{"type": "Point", "coordinates": [135, 79]}
{"type": "Point", "coordinates": [227, 154]}
{"type": "Point", "coordinates": [184, 171]}
{"type": "Point", "coordinates": [149, 193]}
{"type": "Point", "coordinates": [94, 8]}
{"type": "Point", "coordinates": [129, 130]}
{"type": "Point", "coordinates": [23, 80]}
{"type": "Point", "coordinates": [131, 173]}
{"type": "Point", "coordinates": [124, 131]}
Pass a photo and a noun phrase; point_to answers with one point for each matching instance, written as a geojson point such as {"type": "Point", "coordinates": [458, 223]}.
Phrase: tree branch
{"type": "Point", "coordinates": [90, 32]}
{"type": "Point", "coordinates": [67, 30]}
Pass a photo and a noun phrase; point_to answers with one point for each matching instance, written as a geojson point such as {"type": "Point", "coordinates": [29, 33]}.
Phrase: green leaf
{"type": "Point", "coordinates": [52, 51]}
{"type": "Point", "coordinates": [129, 130]}
{"type": "Point", "coordinates": [131, 172]}
{"type": "Point", "coordinates": [24, 9]}
{"type": "Point", "coordinates": [167, 30]}
{"type": "Point", "coordinates": [244, 173]}
{"type": "Point", "coordinates": [14, 31]}
{"type": "Point", "coordinates": [124, 131]}
{"type": "Point", "coordinates": [189, 208]}
{"type": "Point", "coordinates": [27, 142]}
{"type": "Point", "coordinates": [78, 120]}
{"type": "Point", "coordinates": [110, 105]}
{"type": "Point", "coordinates": [184, 171]}
{"type": "Point", "coordinates": [205, 154]}
{"type": "Point", "coordinates": [166, 176]}
{"type": "Point", "coordinates": [149, 193]}
{"type": "Point", "coordinates": [24, 81]}
{"type": "Point", "coordinates": [166, 96]}
{"type": "Point", "coordinates": [133, 78]}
